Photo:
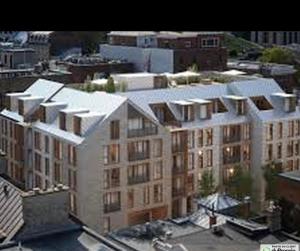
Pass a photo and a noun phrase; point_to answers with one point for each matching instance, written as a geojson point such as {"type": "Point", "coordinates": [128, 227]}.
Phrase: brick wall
{"type": "Point", "coordinates": [289, 190]}
{"type": "Point", "coordinates": [80, 72]}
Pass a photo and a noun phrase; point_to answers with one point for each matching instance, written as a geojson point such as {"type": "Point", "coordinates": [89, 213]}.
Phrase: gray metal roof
{"type": "Point", "coordinates": [44, 88]}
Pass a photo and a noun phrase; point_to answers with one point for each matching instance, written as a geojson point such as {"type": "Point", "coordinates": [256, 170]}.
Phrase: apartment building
{"type": "Point", "coordinates": [103, 147]}
{"type": "Point", "coordinates": [268, 38]}
{"type": "Point", "coordinates": [137, 156]}
{"type": "Point", "coordinates": [216, 127]}
{"type": "Point", "coordinates": [167, 51]}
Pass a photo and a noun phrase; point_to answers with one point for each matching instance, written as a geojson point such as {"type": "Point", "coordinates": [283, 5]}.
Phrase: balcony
{"type": "Point", "coordinates": [177, 192]}
{"type": "Point", "coordinates": [178, 170]}
{"type": "Point", "coordinates": [231, 160]}
{"type": "Point", "coordinates": [138, 156]}
{"type": "Point", "coordinates": [138, 180]}
{"type": "Point", "coordinates": [141, 132]}
{"type": "Point", "coordinates": [178, 148]}
{"type": "Point", "coordinates": [112, 207]}
{"type": "Point", "coordinates": [232, 139]}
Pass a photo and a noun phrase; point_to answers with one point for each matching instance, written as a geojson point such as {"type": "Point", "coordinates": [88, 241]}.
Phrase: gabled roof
{"type": "Point", "coordinates": [44, 88]}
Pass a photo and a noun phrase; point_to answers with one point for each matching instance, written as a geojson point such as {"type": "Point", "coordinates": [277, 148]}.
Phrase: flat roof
{"type": "Point", "coordinates": [235, 97]}
{"type": "Point", "coordinates": [294, 175]}
{"type": "Point", "coordinates": [137, 74]}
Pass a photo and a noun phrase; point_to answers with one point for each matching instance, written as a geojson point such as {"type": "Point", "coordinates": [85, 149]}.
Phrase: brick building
{"type": "Point", "coordinates": [82, 68]}
{"type": "Point", "coordinates": [167, 51]}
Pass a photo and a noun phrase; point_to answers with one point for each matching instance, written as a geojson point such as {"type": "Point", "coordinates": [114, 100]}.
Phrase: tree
{"type": "Point", "coordinates": [270, 175]}
{"type": "Point", "coordinates": [207, 183]}
{"type": "Point", "coordinates": [277, 55]}
{"type": "Point", "coordinates": [239, 184]}
{"type": "Point", "coordinates": [110, 86]}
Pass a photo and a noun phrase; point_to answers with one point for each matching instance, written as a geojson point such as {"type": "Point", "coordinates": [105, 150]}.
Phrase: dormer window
{"type": "Point", "coordinates": [188, 113]}
{"type": "Point", "coordinates": [240, 107]}
{"type": "Point", "coordinates": [290, 104]}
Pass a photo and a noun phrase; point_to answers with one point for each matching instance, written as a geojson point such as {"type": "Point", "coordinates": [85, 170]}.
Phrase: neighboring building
{"type": "Point", "coordinates": [160, 52]}
{"type": "Point", "coordinates": [283, 74]}
{"type": "Point", "coordinates": [40, 42]}
{"type": "Point", "coordinates": [269, 38]}
{"type": "Point", "coordinates": [39, 220]}
{"type": "Point", "coordinates": [140, 81]}
{"type": "Point", "coordinates": [16, 58]}
{"type": "Point", "coordinates": [84, 67]}
{"type": "Point", "coordinates": [137, 156]}
{"type": "Point", "coordinates": [233, 234]}
{"type": "Point", "coordinates": [288, 192]}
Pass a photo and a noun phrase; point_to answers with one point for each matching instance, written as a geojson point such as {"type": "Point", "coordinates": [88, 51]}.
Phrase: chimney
{"type": "Point", "coordinates": [212, 218]}
{"type": "Point", "coordinates": [273, 214]}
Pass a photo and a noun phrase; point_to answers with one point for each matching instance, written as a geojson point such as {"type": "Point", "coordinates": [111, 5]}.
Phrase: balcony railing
{"type": "Point", "coordinates": [112, 207]}
{"type": "Point", "coordinates": [138, 180]}
{"type": "Point", "coordinates": [231, 160]}
{"type": "Point", "coordinates": [178, 148]}
{"type": "Point", "coordinates": [234, 138]}
{"type": "Point", "coordinates": [142, 132]}
{"type": "Point", "coordinates": [138, 156]}
{"type": "Point", "coordinates": [178, 170]}
{"type": "Point", "coordinates": [178, 192]}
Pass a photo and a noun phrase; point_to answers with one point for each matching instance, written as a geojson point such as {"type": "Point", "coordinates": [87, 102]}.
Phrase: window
{"type": "Point", "coordinates": [158, 193]}
{"type": "Point", "coordinates": [106, 225]}
{"type": "Point", "coordinates": [57, 172]}
{"type": "Point", "coordinates": [291, 128]}
{"type": "Point", "coordinates": [115, 129]}
{"type": "Point", "coordinates": [289, 149]}
{"type": "Point", "coordinates": [200, 138]}
{"type": "Point", "coordinates": [38, 181]}
{"type": "Point", "coordinates": [246, 131]}
{"type": "Point", "coordinates": [72, 178]}
{"type": "Point", "coordinates": [240, 107]}
{"type": "Point", "coordinates": [111, 154]}
{"type": "Point", "coordinates": [157, 148]}
{"type": "Point", "coordinates": [269, 152]}
{"type": "Point", "coordinates": [37, 140]}
{"type": "Point", "coordinates": [138, 173]}
{"type": "Point", "coordinates": [37, 162]}
{"type": "Point", "coordinates": [297, 144]}
{"type": "Point", "coordinates": [111, 178]}
{"type": "Point", "coordinates": [46, 144]}
{"type": "Point", "coordinates": [47, 167]}
{"type": "Point", "coordinates": [274, 37]}
{"type": "Point", "coordinates": [269, 132]}
{"type": "Point", "coordinates": [158, 170]}
{"type": "Point", "coordinates": [57, 149]}
{"type": "Point", "coordinates": [112, 202]}
{"type": "Point", "coordinates": [191, 139]}
{"type": "Point", "coordinates": [209, 159]}
{"type": "Point", "coordinates": [246, 152]}
{"type": "Point", "coordinates": [279, 150]}
{"type": "Point", "coordinates": [191, 161]}
{"type": "Point", "coordinates": [10, 129]}
{"type": "Point", "coordinates": [297, 127]}
{"type": "Point", "coordinates": [177, 141]}
{"type": "Point", "coordinates": [146, 195]}
{"type": "Point", "coordinates": [209, 136]}
{"type": "Point", "coordinates": [178, 164]}
{"type": "Point", "coordinates": [280, 129]}
{"type": "Point", "coordinates": [200, 159]}
{"type": "Point", "coordinates": [130, 196]}
{"type": "Point", "coordinates": [138, 150]}
{"type": "Point", "coordinates": [210, 42]}
{"type": "Point", "coordinates": [188, 113]}
{"type": "Point", "coordinates": [71, 155]}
